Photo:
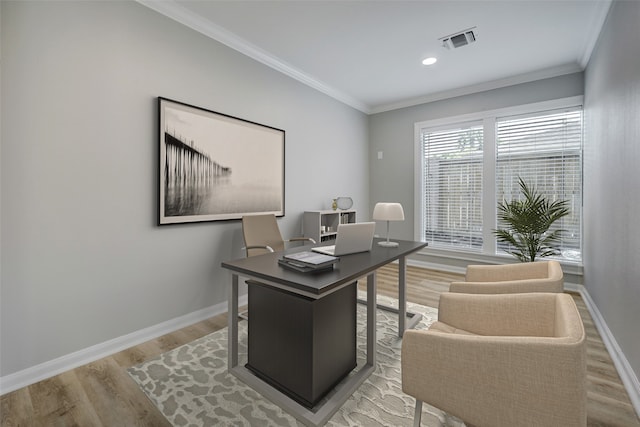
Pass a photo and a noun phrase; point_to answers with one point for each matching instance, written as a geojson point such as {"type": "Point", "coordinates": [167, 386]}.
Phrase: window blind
{"type": "Point", "coordinates": [544, 149]}
{"type": "Point", "coordinates": [453, 185]}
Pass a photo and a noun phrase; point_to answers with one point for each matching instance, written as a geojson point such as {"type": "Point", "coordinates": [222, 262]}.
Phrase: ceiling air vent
{"type": "Point", "coordinates": [459, 39]}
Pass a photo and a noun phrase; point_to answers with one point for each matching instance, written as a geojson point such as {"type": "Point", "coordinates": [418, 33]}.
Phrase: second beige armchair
{"type": "Point", "coordinates": [540, 276]}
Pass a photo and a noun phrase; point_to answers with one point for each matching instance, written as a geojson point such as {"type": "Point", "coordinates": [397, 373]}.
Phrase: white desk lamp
{"type": "Point", "coordinates": [388, 212]}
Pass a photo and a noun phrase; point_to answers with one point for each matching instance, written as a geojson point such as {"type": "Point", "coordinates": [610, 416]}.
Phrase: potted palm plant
{"type": "Point", "coordinates": [526, 224]}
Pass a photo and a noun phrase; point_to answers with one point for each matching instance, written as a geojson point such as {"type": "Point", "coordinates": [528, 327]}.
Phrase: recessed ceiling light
{"type": "Point", "coordinates": [430, 61]}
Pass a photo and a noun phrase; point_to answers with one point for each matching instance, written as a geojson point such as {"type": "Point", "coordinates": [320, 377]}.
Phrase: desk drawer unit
{"type": "Point", "coordinates": [301, 346]}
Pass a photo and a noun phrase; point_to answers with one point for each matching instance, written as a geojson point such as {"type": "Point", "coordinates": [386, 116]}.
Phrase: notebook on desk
{"type": "Point", "coordinates": [351, 239]}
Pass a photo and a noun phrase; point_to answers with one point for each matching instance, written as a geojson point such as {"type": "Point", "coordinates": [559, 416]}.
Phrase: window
{"type": "Point", "coordinates": [468, 164]}
{"type": "Point", "coordinates": [453, 185]}
{"type": "Point", "coordinates": [544, 149]}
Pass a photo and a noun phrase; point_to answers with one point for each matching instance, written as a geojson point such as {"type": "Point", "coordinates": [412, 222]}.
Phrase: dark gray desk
{"type": "Point", "coordinates": [265, 269]}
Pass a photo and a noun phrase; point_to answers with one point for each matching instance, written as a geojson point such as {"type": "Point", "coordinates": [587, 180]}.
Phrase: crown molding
{"type": "Point", "coordinates": [178, 13]}
{"type": "Point", "coordinates": [481, 87]}
{"type": "Point", "coordinates": [184, 16]}
{"type": "Point", "coordinates": [597, 24]}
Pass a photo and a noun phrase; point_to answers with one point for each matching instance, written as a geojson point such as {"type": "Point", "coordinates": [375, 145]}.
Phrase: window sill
{"type": "Point", "coordinates": [445, 256]}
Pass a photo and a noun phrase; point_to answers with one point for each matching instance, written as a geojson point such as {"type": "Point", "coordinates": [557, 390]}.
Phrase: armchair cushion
{"type": "Point", "coordinates": [443, 327]}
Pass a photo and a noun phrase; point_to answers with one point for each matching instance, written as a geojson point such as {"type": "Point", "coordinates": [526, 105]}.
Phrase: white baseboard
{"type": "Point", "coordinates": [45, 370]}
{"type": "Point", "coordinates": [436, 266]}
{"type": "Point", "coordinates": [628, 377]}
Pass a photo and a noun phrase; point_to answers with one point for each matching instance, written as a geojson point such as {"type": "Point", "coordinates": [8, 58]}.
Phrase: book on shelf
{"type": "Point", "coordinates": [311, 259]}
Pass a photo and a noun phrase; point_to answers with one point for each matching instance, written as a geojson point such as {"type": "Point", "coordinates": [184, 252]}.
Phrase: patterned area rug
{"type": "Point", "coordinates": [191, 387]}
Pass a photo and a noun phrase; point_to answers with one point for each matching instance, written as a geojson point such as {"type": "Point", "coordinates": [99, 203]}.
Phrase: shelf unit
{"type": "Point", "coordinates": [322, 226]}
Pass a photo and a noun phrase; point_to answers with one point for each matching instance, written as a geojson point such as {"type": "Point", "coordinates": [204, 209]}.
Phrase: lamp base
{"type": "Point", "coordinates": [388, 244]}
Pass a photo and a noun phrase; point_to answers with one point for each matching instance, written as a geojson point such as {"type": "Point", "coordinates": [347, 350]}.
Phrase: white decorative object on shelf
{"type": "Point", "coordinates": [344, 202]}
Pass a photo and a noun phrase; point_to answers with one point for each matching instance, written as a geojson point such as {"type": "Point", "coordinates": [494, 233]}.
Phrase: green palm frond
{"type": "Point", "coordinates": [527, 223]}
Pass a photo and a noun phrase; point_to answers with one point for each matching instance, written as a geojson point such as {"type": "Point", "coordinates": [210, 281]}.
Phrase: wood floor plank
{"type": "Point", "coordinates": [16, 409]}
{"type": "Point", "coordinates": [102, 394]}
{"type": "Point", "coordinates": [115, 398]}
{"type": "Point", "coordinates": [170, 341]}
{"type": "Point", "coordinates": [138, 354]}
{"type": "Point", "coordinates": [61, 401]}
{"type": "Point", "coordinates": [603, 410]}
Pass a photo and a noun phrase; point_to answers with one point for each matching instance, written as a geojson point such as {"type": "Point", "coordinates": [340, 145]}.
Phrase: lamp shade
{"type": "Point", "coordinates": [388, 212]}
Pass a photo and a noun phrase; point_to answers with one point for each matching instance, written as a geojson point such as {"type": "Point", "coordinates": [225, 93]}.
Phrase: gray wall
{"type": "Point", "coordinates": [612, 177]}
{"type": "Point", "coordinates": [82, 260]}
{"type": "Point", "coordinates": [392, 178]}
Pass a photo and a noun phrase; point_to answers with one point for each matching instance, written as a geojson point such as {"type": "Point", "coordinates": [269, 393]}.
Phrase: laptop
{"type": "Point", "coordinates": [352, 238]}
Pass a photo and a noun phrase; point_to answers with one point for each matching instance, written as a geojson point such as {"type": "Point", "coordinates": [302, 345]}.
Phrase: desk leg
{"type": "Point", "coordinates": [402, 295]}
{"type": "Point", "coordinates": [232, 322]}
{"type": "Point", "coordinates": [401, 311]}
{"type": "Point", "coordinates": [371, 319]}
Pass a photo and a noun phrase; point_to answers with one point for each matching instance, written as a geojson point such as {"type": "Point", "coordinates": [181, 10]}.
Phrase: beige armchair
{"type": "Point", "coordinates": [539, 276]}
{"type": "Point", "coordinates": [500, 360]}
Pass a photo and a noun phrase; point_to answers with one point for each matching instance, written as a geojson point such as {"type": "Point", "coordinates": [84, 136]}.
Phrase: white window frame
{"type": "Point", "coordinates": [489, 211]}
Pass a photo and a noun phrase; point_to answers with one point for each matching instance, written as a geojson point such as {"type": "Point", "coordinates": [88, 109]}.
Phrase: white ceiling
{"type": "Point", "coordinates": [368, 54]}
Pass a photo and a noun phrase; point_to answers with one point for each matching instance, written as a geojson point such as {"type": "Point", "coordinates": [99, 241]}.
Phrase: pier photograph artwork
{"type": "Point", "coordinates": [213, 166]}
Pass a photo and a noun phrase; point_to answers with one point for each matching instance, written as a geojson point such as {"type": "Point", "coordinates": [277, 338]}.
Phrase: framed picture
{"type": "Point", "coordinates": [216, 167]}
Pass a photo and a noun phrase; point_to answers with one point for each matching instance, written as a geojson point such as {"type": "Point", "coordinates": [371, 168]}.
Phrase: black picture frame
{"type": "Point", "coordinates": [214, 166]}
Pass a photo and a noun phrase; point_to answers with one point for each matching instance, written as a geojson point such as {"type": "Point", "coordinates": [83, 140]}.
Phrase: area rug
{"type": "Point", "coordinates": [190, 385]}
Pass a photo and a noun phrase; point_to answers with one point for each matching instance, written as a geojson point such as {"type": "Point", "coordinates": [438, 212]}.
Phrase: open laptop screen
{"type": "Point", "coordinates": [351, 239]}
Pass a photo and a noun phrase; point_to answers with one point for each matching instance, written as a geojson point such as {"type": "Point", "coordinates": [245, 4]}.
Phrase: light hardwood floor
{"type": "Point", "coordinates": [102, 394]}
